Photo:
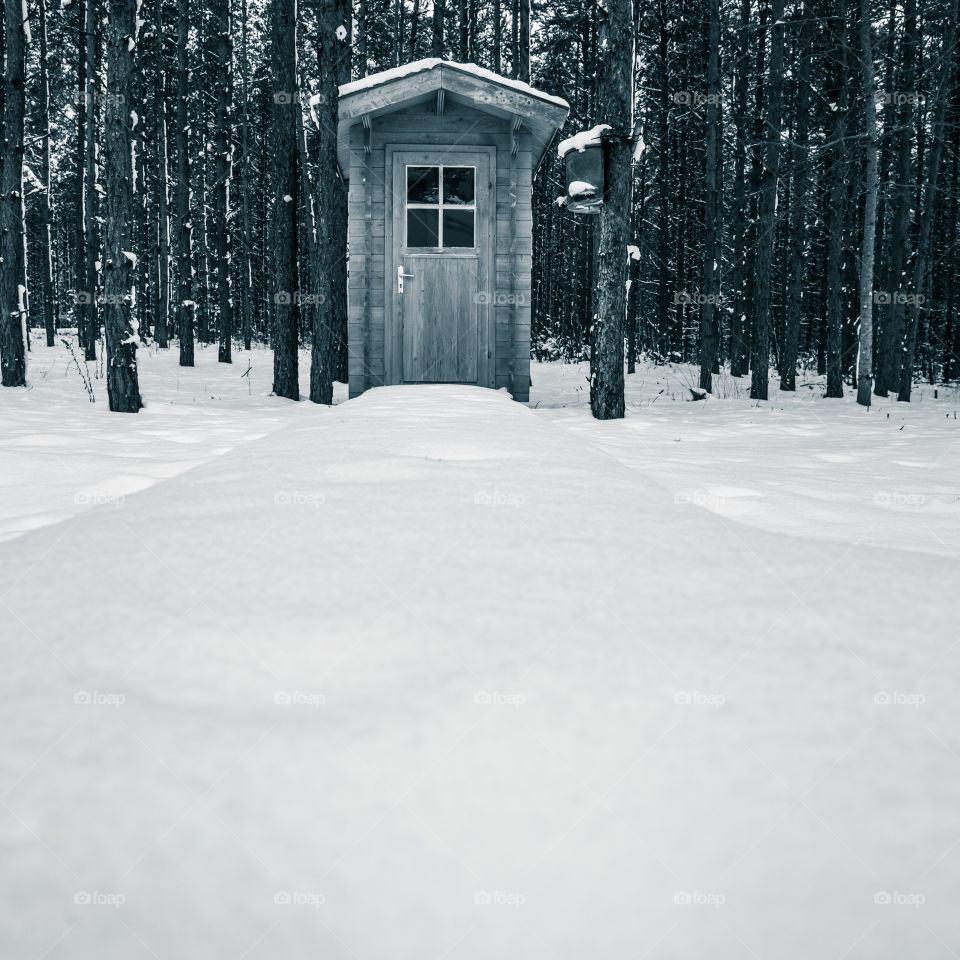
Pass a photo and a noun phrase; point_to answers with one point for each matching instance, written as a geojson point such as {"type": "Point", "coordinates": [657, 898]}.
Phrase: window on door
{"type": "Point", "coordinates": [441, 207]}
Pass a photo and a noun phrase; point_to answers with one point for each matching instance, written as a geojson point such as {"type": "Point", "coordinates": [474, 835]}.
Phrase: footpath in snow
{"type": "Point", "coordinates": [425, 675]}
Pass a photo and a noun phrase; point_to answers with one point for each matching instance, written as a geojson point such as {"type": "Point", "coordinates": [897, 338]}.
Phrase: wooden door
{"type": "Point", "coordinates": [439, 278]}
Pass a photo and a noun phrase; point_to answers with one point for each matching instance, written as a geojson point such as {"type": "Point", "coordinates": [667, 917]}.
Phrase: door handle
{"type": "Point", "coordinates": [400, 276]}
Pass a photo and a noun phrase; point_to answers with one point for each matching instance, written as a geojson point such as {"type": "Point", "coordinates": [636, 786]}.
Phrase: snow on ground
{"type": "Point", "coordinates": [434, 675]}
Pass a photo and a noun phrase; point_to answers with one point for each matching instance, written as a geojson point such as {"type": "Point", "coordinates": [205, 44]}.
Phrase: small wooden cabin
{"type": "Point", "coordinates": [440, 159]}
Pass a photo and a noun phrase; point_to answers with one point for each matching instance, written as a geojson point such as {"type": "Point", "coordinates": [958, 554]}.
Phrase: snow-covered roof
{"type": "Point", "coordinates": [418, 66]}
{"type": "Point", "coordinates": [537, 113]}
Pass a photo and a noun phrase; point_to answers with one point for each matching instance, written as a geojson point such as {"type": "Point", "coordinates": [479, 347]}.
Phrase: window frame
{"type": "Point", "coordinates": [440, 206]}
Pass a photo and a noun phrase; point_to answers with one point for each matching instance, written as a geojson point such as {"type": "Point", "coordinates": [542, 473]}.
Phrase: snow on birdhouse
{"type": "Point", "coordinates": [583, 156]}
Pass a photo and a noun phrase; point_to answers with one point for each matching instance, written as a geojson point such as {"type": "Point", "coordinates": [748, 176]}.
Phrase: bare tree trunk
{"type": "Point", "coordinates": [80, 233]}
{"type": "Point", "coordinates": [13, 280]}
{"type": "Point", "coordinates": [161, 326]}
{"type": "Point", "coordinates": [497, 15]}
{"type": "Point", "coordinates": [46, 202]}
{"type": "Point", "coordinates": [436, 49]}
{"type": "Point", "coordinates": [91, 199]}
{"type": "Point", "coordinates": [836, 178]}
{"type": "Point", "coordinates": [333, 45]}
{"type": "Point", "coordinates": [286, 382]}
{"type": "Point", "coordinates": [768, 208]}
{"type": "Point", "coordinates": [868, 248]}
{"type": "Point", "coordinates": [523, 73]}
{"type": "Point", "coordinates": [615, 90]}
{"type": "Point", "coordinates": [119, 262]}
{"type": "Point", "coordinates": [798, 208]}
{"type": "Point", "coordinates": [711, 245]}
{"type": "Point", "coordinates": [223, 171]}
{"type": "Point", "coordinates": [247, 285]}
{"type": "Point", "coordinates": [414, 28]}
{"type": "Point", "coordinates": [183, 241]}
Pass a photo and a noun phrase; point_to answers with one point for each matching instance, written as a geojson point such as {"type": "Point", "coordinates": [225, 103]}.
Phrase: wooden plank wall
{"type": "Point", "coordinates": [513, 257]}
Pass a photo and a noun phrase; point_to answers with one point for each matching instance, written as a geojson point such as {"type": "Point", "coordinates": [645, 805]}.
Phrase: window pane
{"type": "Point", "coordinates": [422, 228]}
{"type": "Point", "coordinates": [458, 228]}
{"type": "Point", "coordinates": [423, 185]}
{"type": "Point", "coordinates": [458, 185]}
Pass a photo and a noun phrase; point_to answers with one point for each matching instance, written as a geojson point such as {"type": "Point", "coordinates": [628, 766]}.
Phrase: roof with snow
{"type": "Point", "coordinates": [540, 113]}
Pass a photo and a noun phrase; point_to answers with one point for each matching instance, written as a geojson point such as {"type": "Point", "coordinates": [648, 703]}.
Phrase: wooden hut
{"type": "Point", "coordinates": [440, 159]}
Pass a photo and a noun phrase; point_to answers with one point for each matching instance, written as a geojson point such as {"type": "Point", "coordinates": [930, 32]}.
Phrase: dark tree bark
{"type": "Point", "coordinates": [436, 49]}
{"type": "Point", "coordinates": [868, 248]}
{"type": "Point", "coordinates": [161, 324]}
{"type": "Point", "coordinates": [799, 190]}
{"type": "Point", "coordinates": [46, 200]}
{"type": "Point", "coordinates": [711, 245]}
{"type": "Point", "coordinates": [286, 325]}
{"type": "Point", "coordinates": [91, 199]}
{"type": "Point", "coordinates": [464, 35]}
{"type": "Point", "coordinates": [80, 235]}
{"type": "Point", "coordinates": [123, 388]}
{"type": "Point", "coordinates": [183, 240]}
{"type": "Point", "coordinates": [615, 89]}
{"type": "Point", "coordinates": [13, 280]}
{"type": "Point", "coordinates": [246, 286]}
{"type": "Point", "coordinates": [523, 72]}
{"type": "Point", "coordinates": [836, 212]}
{"type": "Point", "coordinates": [222, 172]}
{"type": "Point", "coordinates": [497, 14]}
{"type": "Point", "coordinates": [768, 206]}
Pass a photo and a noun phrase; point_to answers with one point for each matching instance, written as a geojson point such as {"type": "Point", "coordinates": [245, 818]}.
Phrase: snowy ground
{"type": "Point", "coordinates": [433, 675]}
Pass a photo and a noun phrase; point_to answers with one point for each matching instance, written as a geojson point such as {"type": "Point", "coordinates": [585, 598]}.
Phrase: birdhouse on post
{"type": "Point", "coordinates": [440, 158]}
{"type": "Point", "coordinates": [584, 160]}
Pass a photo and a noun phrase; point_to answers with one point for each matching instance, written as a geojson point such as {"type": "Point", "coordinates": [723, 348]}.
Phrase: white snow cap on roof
{"type": "Point", "coordinates": [580, 141]}
{"type": "Point", "coordinates": [418, 66]}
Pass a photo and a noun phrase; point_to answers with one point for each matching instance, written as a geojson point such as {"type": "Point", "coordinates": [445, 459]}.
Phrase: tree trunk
{"type": "Point", "coordinates": [615, 90]}
{"type": "Point", "coordinates": [497, 15]}
{"type": "Point", "coordinates": [247, 273]}
{"type": "Point", "coordinates": [123, 388]}
{"type": "Point", "coordinates": [865, 357]}
{"type": "Point", "coordinates": [183, 240]}
{"type": "Point", "coordinates": [286, 382]}
{"type": "Point", "coordinates": [161, 325]}
{"type": "Point", "coordinates": [836, 178]}
{"type": "Point", "coordinates": [798, 208]}
{"type": "Point", "coordinates": [13, 280]}
{"type": "Point", "coordinates": [91, 199]}
{"type": "Point", "coordinates": [436, 49]}
{"type": "Point", "coordinates": [711, 245]}
{"type": "Point", "coordinates": [80, 234]}
{"type": "Point", "coordinates": [46, 202]}
{"type": "Point", "coordinates": [892, 299]}
{"type": "Point", "coordinates": [768, 208]}
{"type": "Point", "coordinates": [222, 171]}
